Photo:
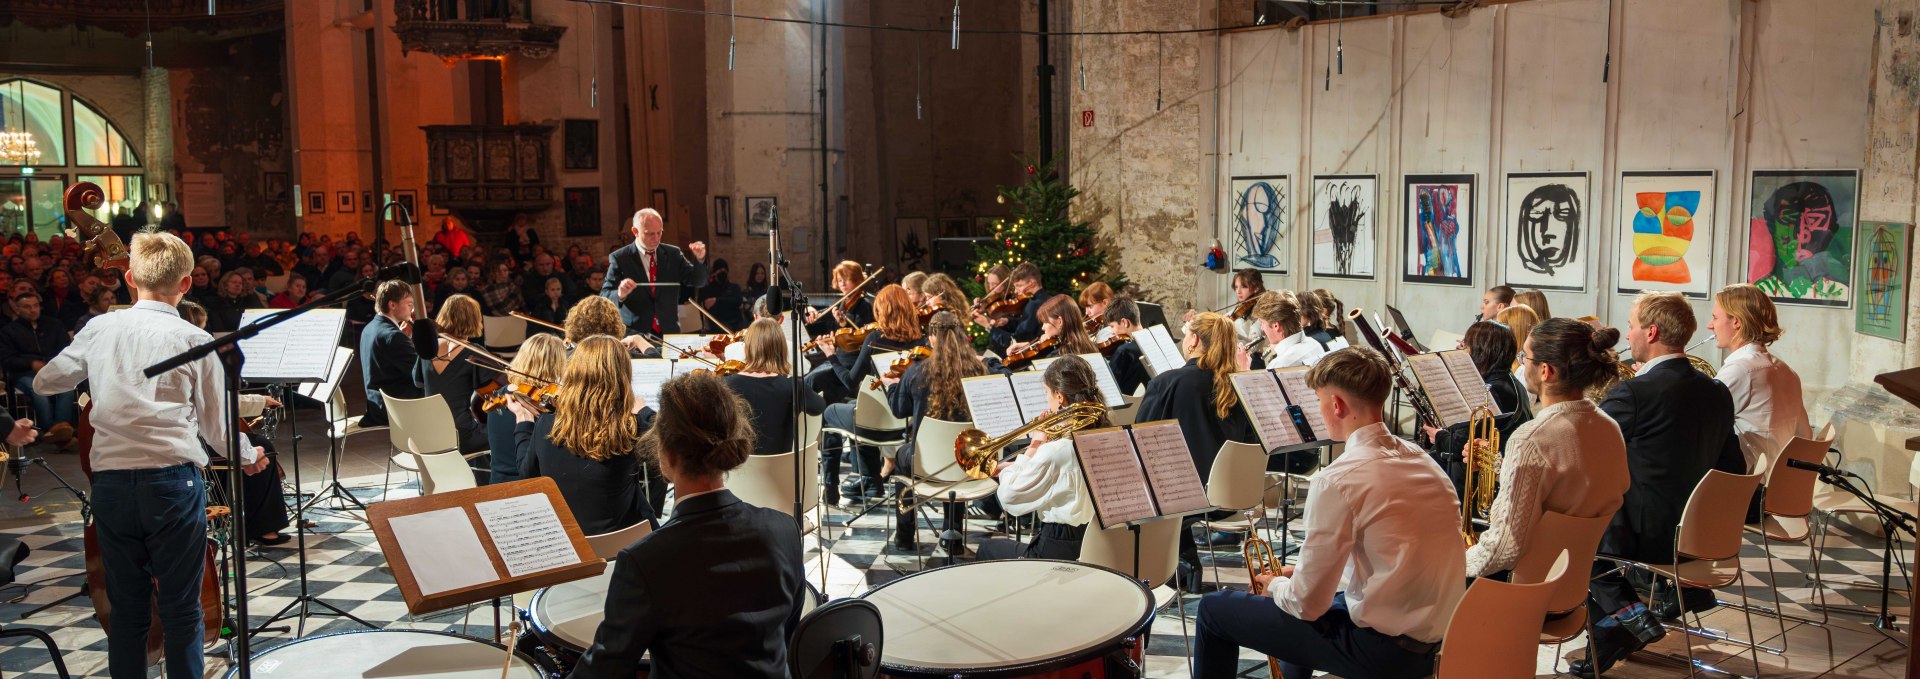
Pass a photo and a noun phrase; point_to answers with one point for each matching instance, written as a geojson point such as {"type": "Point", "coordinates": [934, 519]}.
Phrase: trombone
{"type": "Point", "coordinates": [979, 455]}
{"type": "Point", "coordinates": [1260, 559]}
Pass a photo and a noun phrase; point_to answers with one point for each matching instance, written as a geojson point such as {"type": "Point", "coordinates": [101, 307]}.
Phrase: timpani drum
{"type": "Point", "coordinates": [561, 620]}
{"type": "Point", "coordinates": [390, 653]}
{"type": "Point", "coordinates": [1016, 618]}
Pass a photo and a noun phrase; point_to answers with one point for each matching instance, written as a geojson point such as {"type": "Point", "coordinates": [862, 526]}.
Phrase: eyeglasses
{"type": "Point", "coordinates": [1525, 357]}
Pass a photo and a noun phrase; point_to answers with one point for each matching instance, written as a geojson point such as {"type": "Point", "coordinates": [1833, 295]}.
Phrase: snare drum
{"type": "Point", "coordinates": [1018, 618]}
{"type": "Point", "coordinates": [390, 653]}
{"type": "Point", "coordinates": [561, 620]}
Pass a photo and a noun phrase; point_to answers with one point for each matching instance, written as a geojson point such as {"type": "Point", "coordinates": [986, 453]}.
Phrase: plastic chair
{"type": "Point", "coordinates": [1125, 414]}
{"type": "Point", "coordinates": [1491, 632]}
{"type": "Point", "coordinates": [1237, 483]}
{"type": "Point", "coordinates": [935, 475]}
{"type": "Point", "coordinates": [841, 640]}
{"type": "Point", "coordinates": [1159, 559]}
{"type": "Point", "coordinates": [503, 334]}
{"type": "Point", "coordinates": [444, 472]}
{"type": "Point", "coordinates": [418, 427]}
{"type": "Point", "coordinates": [1785, 517]}
{"type": "Point", "coordinates": [608, 545]}
{"type": "Point", "coordinates": [1578, 539]}
{"type": "Point", "coordinates": [768, 481]}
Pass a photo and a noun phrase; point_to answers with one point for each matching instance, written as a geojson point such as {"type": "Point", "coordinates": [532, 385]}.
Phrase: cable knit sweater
{"type": "Point", "coordinates": [1570, 459]}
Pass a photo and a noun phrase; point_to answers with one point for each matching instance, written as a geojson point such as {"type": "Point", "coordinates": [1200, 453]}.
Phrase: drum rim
{"type": "Point", "coordinates": [1136, 629]}
{"type": "Point", "coordinates": [235, 670]}
{"type": "Point", "coordinates": [542, 630]}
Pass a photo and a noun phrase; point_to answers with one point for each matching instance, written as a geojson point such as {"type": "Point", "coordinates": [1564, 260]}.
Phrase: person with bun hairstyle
{"type": "Point", "coordinates": [1768, 410]}
{"type": "Point", "coordinates": [716, 590]}
{"type": "Point", "coordinates": [1570, 459]}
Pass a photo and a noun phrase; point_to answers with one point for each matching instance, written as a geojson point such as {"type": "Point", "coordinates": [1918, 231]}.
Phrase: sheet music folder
{"type": "Point", "coordinates": [1452, 384]}
{"type": "Point", "coordinates": [296, 351]}
{"type": "Point", "coordinates": [1285, 412]}
{"type": "Point", "coordinates": [424, 539]}
{"type": "Point", "coordinates": [1139, 473]}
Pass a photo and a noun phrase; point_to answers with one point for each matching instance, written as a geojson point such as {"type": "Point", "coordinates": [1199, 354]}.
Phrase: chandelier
{"type": "Point", "coordinates": [17, 146]}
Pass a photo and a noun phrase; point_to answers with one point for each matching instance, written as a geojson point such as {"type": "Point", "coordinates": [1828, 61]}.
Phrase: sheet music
{"type": "Point", "coordinates": [1448, 403]}
{"type": "Point", "coordinates": [990, 400]}
{"type": "Point", "coordinates": [1159, 349]}
{"type": "Point", "coordinates": [1448, 341]}
{"type": "Point", "coordinates": [1171, 471]}
{"type": "Point", "coordinates": [1467, 377]}
{"type": "Point", "coordinates": [528, 533]}
{"type": "Point", "coordinates": [1115, 477]}
{"type": "Point", "coordinates": [648, 375]}
{"type": "Point", "coordinates": [1266, 405]}
{"type": "Point", "coordinates": [690, 343]}
{"type": "Point", "coordinates": [1030, 392]}
{"type": "Point", "coordinates": [882, 362]}
{"type": "Point", "coordinates": [1103, 375]}
{"type": "Point", "coordinates": [1293, 381]}
{"type": "Point", "coordinates": [298, 350]}
{"type": "Point", "coordinates": [442, 550]}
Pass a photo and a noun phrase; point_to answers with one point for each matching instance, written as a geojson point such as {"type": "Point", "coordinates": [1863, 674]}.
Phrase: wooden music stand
{"type": "Point", "coordinates": [380, 517]}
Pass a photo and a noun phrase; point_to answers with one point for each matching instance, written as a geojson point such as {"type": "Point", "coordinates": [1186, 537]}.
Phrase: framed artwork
{"type": "Point", "coordinates": [435, 210]}
{"type": "Point", "coordinates": [983, 225]}
{"type": "Point", "coordinates": [581, 144]}
{"type": "Point", "coordinates": [1344, 212]}
{"type": "Point", "coordinates": [761, 213]}
{"type": "Point", "coordinates": [1661, 214]}
{"type": "Point", "coordinates": [583, 211]}
{"type": "Point", "coordinates": [1881, 272]}
{"type": "Point", "coordinates": [723, 215]}
{"type": "Point", "coordinates": [274, 187]}
{"type": "Point", "coordinates": [409, 199]}
{"type": "Point", "coordinates": [657, 199]}
{"type": "Point", "coordinates": [345, 202]}
{"type": "Point", "coordinates": [1548, 241]}
{"type": "Point", "coordinates": [1439, 229]}
{"type": "Point", "coordinates": [1261, 214]}
{"type": "Point", "coordinates": [316, 202]}
{"type": "Point", "coordinates": [1800, 233]}
{"type": "Point", "coordinates": [366, 201]}
{"type": "Point", "coordinates": [959, 227]}
{"type": "Point", "coordinates": [915, 248]}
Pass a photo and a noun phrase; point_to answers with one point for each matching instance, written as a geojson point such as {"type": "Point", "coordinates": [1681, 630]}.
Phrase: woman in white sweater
{"type": "Point", "coordinates": [1046, 477]}
{"type": "Point", "coordinates": [1768, 408]}
{"type": "Point", "coordinates": [1570, 458]}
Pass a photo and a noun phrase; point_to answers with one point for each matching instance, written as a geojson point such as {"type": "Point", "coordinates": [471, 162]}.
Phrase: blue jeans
{"type": "Point", "coordinates": [48, 410]}
{"type": "Point", "coordinates": [152, 528]}
{"type": "Point", "coordinates": [1231, 619]}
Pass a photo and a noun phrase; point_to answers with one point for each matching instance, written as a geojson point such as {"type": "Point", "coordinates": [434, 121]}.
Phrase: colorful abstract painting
{"type": "Point", "coordinates": [1662, 214]}
{"type": "Point", "coordinates": [1800, 235]}
{"type": "Point", "coordinates": [1881, 273]}
{"type": "Point", "coordinates": [1260, 221]}
{"type": "Point", "coordinates": [1439, 229]}
{"type": "Point", "coordinates": [1343, 219]}
{"type": "Point", "coordinates": [1547, 231]}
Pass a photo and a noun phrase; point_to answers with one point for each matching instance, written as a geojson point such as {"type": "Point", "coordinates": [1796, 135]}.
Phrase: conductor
{"type": "Point", "coordinates": [645, 277]}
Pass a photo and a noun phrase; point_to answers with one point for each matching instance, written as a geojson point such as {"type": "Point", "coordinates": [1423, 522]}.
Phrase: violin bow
{"type": "Point", "coordinates": [531, 319]}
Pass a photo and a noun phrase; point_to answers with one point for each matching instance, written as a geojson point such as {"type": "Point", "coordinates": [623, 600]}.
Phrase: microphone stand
{"type": "Point", "coordinates": [779, 285]}
{"type": "Point", "coordinates": [1890, 518]}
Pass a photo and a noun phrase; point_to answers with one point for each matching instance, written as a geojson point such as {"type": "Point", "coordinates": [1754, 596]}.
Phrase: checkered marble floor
{"type": "Point", "coordinates": [347, 570]}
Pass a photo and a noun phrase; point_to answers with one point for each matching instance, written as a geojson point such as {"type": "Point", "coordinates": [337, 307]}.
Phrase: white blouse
{"type": "Point", "coordinates": [1296, 350]}
{"type": "Point", "coordinates": [1569, 459]}
{"type": "Point", "coordinates": [1047, 480]}
{"type": "Point", "coordinates": [1768, 406]}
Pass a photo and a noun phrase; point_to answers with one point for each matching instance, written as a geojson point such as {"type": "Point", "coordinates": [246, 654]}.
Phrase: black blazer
{"type": "Point", "coordinates": [859, 313]}
{"type": "Point", "coordinates": [604, 496]}
{"type": "Point", "coordinates": [1678, 423]}
{"type": "Point", "coordinates": [1129, 369]}
{"type": "Point", "coordinates": [464, 375]}
{"type": "Point", "coordinates": [390, 360]}
{"type": "Point", "coordinates": [713, 593]}
{"type": "Point", "coordinates": [1511, 397]}
{"type": "Point", "coordinates": [1186, 394]}
{"type": "Point", "coordinates": [648, 304]}
{"type": "Point", "coordinates": [771, 399]}
{"type": "Point", "coordinates": [854, 368]}
{"type": "Point", "coordinates": [21, 343]}
{"type": "Point", "coordinates": [1022, 328]}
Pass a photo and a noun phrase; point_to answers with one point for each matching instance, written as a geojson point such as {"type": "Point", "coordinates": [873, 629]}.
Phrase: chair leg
{"type": "Point", "coordinates": [59, 665]}
{"type": "Point", "coordinates": [1779, 609]}
{"type": "Point", "coordinates": [1819, 585]}
{"type": "Point", "coordinates": [1753, 642]}
{"type": "Point", "coordinates": [1207, 526]}
{"type": "Point", "coordinates": [1180, 607]}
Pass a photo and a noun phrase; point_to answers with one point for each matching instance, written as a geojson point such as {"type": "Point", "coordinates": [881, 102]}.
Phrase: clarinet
{"type": "Point", "coordinates": [1422, 408]}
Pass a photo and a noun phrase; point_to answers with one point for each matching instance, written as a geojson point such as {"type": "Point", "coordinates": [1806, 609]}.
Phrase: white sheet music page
{"type": "Point", "coordinates": [1103, 375]}
{"type": "Point", "coordinates": [1114, 476]}
{"type": "Point", "coordinates": [1030, 391]}
{"type": "Point", "coordinates": [1293, 381]}
{"type": "Point", "coordinates": [881, 362]}
{"type": "Point", "coordinates": [1159, 349]}
{"type": "Point", "coordinates": [442, 550]}
{"type": "Point", "coordinates": [528, 533]}
{"type": "Point", "coordinates": [990, 400]}
{"type": "Point", "coordinates": [1171, 471]}
{"type": "Point", "coordinates": [1267, 407]}
{"type": "Point", "coordinates": [299, 349]}
{"type": "Point", "coordinates": [648, 375]}
{"type": "Point", "coordinates": [1467, 377]}
{"type": "Point", "coordinates": [1448, 402]}
{"type": "Point", "coordinates": [680, 342]}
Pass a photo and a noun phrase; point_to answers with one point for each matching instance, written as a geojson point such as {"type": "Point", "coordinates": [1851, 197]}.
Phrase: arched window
{"type": "Point", "coordinates": [95, 151]}
{"type": "Point", "coordinates": [97, 142]}
{"type": "Point", "coordinates": [28, 105]}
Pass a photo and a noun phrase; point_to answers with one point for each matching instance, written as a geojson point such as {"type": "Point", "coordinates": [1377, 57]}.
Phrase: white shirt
{"type": "Point", "coordinates": [1383, 519]}
{"type": "Point", "coordinates": [1048, 482]}
{"type": "Point", "coordinates": [1247, 329]}
{"type": "Point", "coordinates": [1768, 406]}
{"type": "Point", "coordinates": [1570, 459]}
{"type": "Point", "coordinates": [1296, 350]}
{"type": "Point", "coordinates": [142, 423]}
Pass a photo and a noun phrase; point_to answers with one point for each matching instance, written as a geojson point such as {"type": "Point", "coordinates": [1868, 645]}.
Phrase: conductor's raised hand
{"type": "Point", "coordinates": [699, 250]}
{"type": "Point", "coordinates": [626, 287]}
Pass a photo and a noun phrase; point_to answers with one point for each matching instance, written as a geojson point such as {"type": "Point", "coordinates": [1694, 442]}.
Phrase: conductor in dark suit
{"type": "Point", "coordinates": [652, 308]}
{"type": "Point", "coordinates": [390, 350]}
{"type": "Point", "coordinates": [1678, 424]}
{"type": "Point", "coordinates": [715, 591]}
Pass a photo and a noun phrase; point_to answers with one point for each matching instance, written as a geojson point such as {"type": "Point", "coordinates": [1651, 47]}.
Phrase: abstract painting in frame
{"type": "Point", "coordinates": [1800, 233]}
{"type": "Point", "coordinates": [1439, 229]}
{"type": "Point", "coordinates": [761, 213]}
{"type": "Point", "coordinates": [1661, 216]}
{"type": "Point", "coordinates": [1344, 213]}
{"type": "Point", "coordinates": [1261, 216]}
{"type": "Point", "coordinates": [1547, 231]}
{"type": "Point", "coordinates": [1881, 273]}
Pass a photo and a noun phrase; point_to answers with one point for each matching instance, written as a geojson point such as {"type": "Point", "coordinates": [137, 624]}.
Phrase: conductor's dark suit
{"type": "Point", "coordinates": [715, 592]}
{"type": "Point", "coordinates": [645, 304]}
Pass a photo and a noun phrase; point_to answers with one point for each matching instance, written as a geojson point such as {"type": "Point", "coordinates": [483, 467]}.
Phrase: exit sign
{"type": "Point", "coordinates": [1086, 118]}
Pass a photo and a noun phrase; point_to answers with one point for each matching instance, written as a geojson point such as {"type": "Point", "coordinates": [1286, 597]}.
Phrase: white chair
{"type": "Point", "coordinates": [1492, 631]}
{"type": "Point", "coordinates": [1158, 559]}
{"type": "Point", "coordinates": [873, 425]}
{"type": "Point", "coordinates": [768, 481]}
{"type": "Point", "coordinates": [503, 334]}
{"type": "Point", "coordinates": [443, 472]}
{"type": "Point", "coordinates": [937, 476]}
{"type": "Point", "coordinates": [420, 427]}
{"type": "Point", "coordinates": [1126, 414]}
{"type": "Point", "coordinates": [1237, 483]}
{"type": "Point", "coordinates": [608, 545]}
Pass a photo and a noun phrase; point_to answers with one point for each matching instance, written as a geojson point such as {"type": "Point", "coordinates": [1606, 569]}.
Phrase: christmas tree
{"type": "Point", "coordinates": [1040, 231]}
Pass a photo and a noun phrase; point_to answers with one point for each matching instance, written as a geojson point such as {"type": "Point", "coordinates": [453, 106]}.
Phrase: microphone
{"type": "Point", "coordinates": [1816, 467]}
{"type": "Point", "coordinates": [403, 271]}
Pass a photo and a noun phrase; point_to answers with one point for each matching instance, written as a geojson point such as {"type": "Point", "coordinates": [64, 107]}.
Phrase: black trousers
{"type": "Point", "coordinates": [1050, 541]}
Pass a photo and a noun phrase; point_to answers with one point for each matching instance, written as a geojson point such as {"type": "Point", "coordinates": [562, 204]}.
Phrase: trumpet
{"type": "Point", "coordinates": [979, 455]}
{"type": "Point", "coordinates": [1482, 458]}
{"type": "Point", "coordinates": [1260, 559]}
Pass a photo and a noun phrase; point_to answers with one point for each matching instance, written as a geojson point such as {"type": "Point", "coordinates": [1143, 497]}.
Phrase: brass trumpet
{"type": "Point", "coordinates": [1482, 458]}
{"type": "Point", "coordinates": [979, 455]}
{"type": "Point", "coordinates": [1260, 559]}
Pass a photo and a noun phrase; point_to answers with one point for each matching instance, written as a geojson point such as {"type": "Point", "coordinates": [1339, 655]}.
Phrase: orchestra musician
{"type": "Point", "coordinates": [454, 374]}
{"type": "Point", "coordinates": [652, 308]}
{"type": "Point", "coordinates": [1492, 349]}
{"type": "Point", "coordinates": [586, 445]}
{"type": "Point", "coordinates": [1093, 304]}
{"type": "Point", "coordinates": [1247, 284]}
{"type": "Point", "coordinates": [1768, 410]}
{"type": "Point", "coordinates": [1678, 423]}
{"type": "Point", "coordinates": [852, 313]}
{"type": "Point", "coordinates": [1569, 459]}
{"type": "Point", "coordinates": [931, 388]}
{"type": "Point", "coordinates": [1024, 280]}
{"type": "Point", "coordinates": [390, 350]}
{"type": "Point", "coordinates": [1060, 318]}
{"type": "Point", "coordinates": [715, 591]}
{"type": "Point", "coordinates": [541, 360]}
{"type": "Point", "coordinates": [1128, 366]}
{"type": "Point", "coordinates": [941, 292]}
{"type": "Point", "coordinates": [1381, 518]}
{"type": "Point", "coordinates": [1045, 478]}
{"type": "Point", "coordinates": [1313, 318]}
{"type": "Point", "coordinates": [1494, 300]}
{"type": "Point", "coordinates": [1535, 300]}
{"type": "Point", "coordinates": [1337, 326]}
{"type": "Point", "coordinates": [1519, 319]}
{"type": "Point", "coordinates": [1280, 321]}
{"type": "Point", "coordinates": [595, 315]}
{"type": "Point", "coordinates": [915, 283]}
{"type": "Point", "coordinates": [766, 386]}
{"type": "Point", "coordinates": [264, 499]}
{"type": "Point", "coordinates": [1200, 395]}
{"type": "Point", "coordinates": [149, 507]}
{"type": "Point", "coordinates": [899, 330]}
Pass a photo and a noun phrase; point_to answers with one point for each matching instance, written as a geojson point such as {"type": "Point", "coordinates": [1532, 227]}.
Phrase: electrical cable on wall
{"type": "Point", "coordinates": [956, 24]}
{"type": "Point", "coordinates": [956, 30]}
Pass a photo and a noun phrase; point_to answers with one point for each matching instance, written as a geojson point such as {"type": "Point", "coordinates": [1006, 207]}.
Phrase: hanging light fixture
{"type": "Point", "coordinates": [17, 146]}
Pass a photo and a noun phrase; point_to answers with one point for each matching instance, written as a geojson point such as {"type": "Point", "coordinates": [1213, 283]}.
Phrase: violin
{"type": "Point", "coordinates": [1244, 310]}
{"type": "Point", "coordinates": [724, 368]}
{"type": "Point", "coordinates": [1112, 344]}
{"type": "Point", "coordinates": [899, 366]}
{"type": "Point", "coordinates": [542, 397]}
{"type": "Point", "coordinates": [1027, 355]}
{"type": "Point", "coordinates": [1007, 307]}
{"type": "Point", "coordinates": [926, 312]}
{"type": "Point", "coordinates": [1095, 323]}
{"type": "Point", "coordinates": [717, 345]}
{"type": "Point", "coordinates": [850, 339]}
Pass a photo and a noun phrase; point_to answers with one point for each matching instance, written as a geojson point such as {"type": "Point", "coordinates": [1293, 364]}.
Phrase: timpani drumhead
{"type": "Point", "coordinates": [570, 612]}
{"type": "Point", "coordinates": [388, 653]}
{"type": "Point", "coordinates": [1022, 613]}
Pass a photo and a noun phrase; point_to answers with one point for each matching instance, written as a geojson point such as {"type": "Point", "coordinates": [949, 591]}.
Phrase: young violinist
{"type": "Point", "coordinates": [586, 445]}
{"type": "Point", "coordinates": [390, 350]}
{"type": "Point", "coordinates": [594, 315]}
{"type": "Point", "coordinates": [915, 282]}
{"type": "Point", "coordinates": [1247, 284]}
{"type": "Point", "coordinates": [1126, 360]}
{"type": "Point", "coordinates": [899, 330]}
{"type": "Point", "coordinates": [1063, 332]}
{"type": "Point", "coordinates": [1045, 479]}
{"type": "Point", "coordinates": [931, 387]}
{"type": "Point", "coordinates": [1200, 395]}
{"type": "Point", "coordinates": [454, 374]}
{"type": "Point", "coordinates": [941, 293]}
{"type": "Point", "coordinates": [1093, 304]}
{"type": "Point", "coordinates": [539, 363]}
{"type": "Point", "coordinates": [1024, 282]}
{"type": "Point", "coordinates": [854, 312]}
{"type": "Point", "coordinates": [766, 385]}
